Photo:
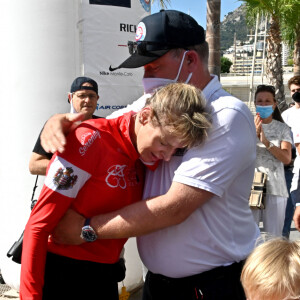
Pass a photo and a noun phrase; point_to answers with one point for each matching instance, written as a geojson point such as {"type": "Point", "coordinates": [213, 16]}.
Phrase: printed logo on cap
{"type": "Point", "coordinates": [146, 4]}
{"type": "Point", "coordinates": [140, 32]}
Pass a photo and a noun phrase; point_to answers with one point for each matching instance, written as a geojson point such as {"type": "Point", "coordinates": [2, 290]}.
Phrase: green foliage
{"type": "Point", "coordinates": [290, 21]}
{"type": "Point", "coordinates": [225, 64]}
{"type": "Point", "coordinates": [290, 62]}
{"type": "Point", "coordinates": [286, 12]}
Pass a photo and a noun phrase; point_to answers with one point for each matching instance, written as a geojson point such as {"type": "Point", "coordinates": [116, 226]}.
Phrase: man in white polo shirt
{"type": "Point", "coordinates": [195, 227]}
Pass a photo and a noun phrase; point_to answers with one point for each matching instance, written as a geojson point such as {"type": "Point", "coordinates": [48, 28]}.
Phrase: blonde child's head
{"type": "Point", "coordinates": [272, 271]}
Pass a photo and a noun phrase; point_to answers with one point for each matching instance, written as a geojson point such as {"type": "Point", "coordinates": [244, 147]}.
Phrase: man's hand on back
{"type": "Point", "coordinates": [53, 137]}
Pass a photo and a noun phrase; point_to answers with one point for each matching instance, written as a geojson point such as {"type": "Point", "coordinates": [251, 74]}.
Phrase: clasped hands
{"type": "Point", "coordinates": [259, 130]}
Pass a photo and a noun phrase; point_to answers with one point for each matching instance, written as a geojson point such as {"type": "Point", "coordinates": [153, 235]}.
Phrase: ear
{"type": "Point", "coordinates": [145, 115]}
{"type": "Point", "coordinates": [192, 60]}
{"type": "Point", "coordinates": [69, 97]}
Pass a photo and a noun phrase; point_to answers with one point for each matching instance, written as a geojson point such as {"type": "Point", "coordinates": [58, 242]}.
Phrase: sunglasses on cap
{"type": "Point", "coordinates": [266, 87]}
{"type": "Point", "coordinates": [146, 48]}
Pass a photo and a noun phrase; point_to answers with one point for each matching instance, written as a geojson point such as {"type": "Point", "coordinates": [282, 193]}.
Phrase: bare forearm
{"type": "Point", "coordinates": [38, 164]}
{"type": "Point", "coordinates": [147, 216]}
{"type": "Point", "coordinates": [296, 217]}
{"type": "Point", "coordinates": [134, 220]}
{"type": "Point", "coordinates": [283, 155]}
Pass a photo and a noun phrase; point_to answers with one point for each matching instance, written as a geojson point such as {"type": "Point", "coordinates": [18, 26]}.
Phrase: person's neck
{"type": "Point", "coordinates": [297, 105]}
{"type": "Point", "coordinates": [133, 129]}
{"type": "Point", "coordinates": [87, 117]}
{"type": "Point", "coordinates": [267, 120]}
{"type": "Point", "coordinates": [201, 79]}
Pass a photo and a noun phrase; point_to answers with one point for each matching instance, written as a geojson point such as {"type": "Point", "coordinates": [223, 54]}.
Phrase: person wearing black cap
{"type": "Point", "coordinates": [83, 98]}
{"type": "Point", "coordinates": [194, 228]}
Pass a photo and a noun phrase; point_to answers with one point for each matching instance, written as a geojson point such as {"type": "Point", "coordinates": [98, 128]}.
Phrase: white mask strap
{"type": "Point", "coordinates": [189, 78]}
{"type": "Point", "coordinates": [179, 70]}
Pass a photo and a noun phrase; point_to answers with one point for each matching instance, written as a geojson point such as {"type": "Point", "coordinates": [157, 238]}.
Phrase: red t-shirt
{"type": "Point", "coordinates": [99, 172]}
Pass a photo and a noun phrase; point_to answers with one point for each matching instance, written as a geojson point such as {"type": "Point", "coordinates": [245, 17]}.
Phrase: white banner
{"type": "Point", "coordinates": [106, 29]}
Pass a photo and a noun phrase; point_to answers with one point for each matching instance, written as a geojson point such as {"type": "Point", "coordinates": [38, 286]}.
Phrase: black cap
{"type": "Point", "coordinates": [79, 81]}
{"type": "Point", "coordinates": [158, 33]}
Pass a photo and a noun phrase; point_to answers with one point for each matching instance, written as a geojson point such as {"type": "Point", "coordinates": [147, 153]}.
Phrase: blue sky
{"type": "Point", "coordinates": [197, 8]}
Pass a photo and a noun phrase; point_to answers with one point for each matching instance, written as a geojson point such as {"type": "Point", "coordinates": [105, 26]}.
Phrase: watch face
{"type": "Point", "coordinates": [88, 234]}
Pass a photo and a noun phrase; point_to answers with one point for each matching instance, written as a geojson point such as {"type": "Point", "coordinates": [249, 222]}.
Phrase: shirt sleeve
{"type": "Point", "coordinates": [296, 134]}
{"type": "Point", "coordinates": [284, 116]}
{"type": "Point", "coordinates": [67, 174]}
{"type": "Point", "coordinates": [212, 166]}
{"type": "Point", "coordinates": [39, 149]}
{"type": "Point", "coordinates": [286, 134]}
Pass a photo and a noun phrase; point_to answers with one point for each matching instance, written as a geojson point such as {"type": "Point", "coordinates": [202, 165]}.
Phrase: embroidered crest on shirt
{"type": "Point", "coordinates": [87, 140]}
{"type": "Point", "coordinates": [63, 179]}
{"type": "Point", "coordinates": [116, 176]}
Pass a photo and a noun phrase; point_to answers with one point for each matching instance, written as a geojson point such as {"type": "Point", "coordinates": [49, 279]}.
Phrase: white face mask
{"type": "Point", "coordinates": [150, 84]}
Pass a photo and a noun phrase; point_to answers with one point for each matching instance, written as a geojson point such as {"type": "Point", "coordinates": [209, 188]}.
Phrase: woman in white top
{"type": "Point", "coordinates": [273, 148]}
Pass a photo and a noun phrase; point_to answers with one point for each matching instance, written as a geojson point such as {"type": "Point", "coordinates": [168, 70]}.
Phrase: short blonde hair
{"type": "Point", "coordinates": [272, 271]}
{"type": "Point", "coordinates": [181, 109]}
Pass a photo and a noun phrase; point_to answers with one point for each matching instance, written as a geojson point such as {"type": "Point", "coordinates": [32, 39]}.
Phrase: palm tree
{"type": "Point", "coordinates": [290, 28]}
{"type": "Point", "coordinates": [162, 3]}
{"type": "Point", "coordinates": [213, 8]}
{"type": "Point", "coordinates": [212, 33]}
{"type": "Point", "coordinates": [271, 9]}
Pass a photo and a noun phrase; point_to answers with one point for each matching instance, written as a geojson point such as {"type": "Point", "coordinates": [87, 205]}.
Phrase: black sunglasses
{"type": "Point", "coordinates": [146, 48]}
{"type": "Point", "coordinates": [265, 87]}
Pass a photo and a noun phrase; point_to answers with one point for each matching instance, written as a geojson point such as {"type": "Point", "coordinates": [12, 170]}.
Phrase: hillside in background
{"type": "Point", "coordinates": [234, 22]}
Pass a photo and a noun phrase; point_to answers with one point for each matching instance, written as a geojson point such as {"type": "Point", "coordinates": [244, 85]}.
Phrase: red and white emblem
{"type": "Point", "coordinates": [140, 32]}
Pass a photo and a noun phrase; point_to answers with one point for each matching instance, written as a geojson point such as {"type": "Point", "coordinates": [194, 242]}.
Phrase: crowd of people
{"type": "Point", "coordinates": [174, 169]}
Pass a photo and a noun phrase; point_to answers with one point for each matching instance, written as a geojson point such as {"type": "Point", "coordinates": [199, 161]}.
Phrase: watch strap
{"type": "Point", "coordinates": [270, 145]}
{"type": "Point", "coordinates": [87, 222]}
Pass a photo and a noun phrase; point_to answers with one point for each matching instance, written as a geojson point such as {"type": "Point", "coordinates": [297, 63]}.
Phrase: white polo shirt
{"type": "Point", "coordinates": [222, 231]}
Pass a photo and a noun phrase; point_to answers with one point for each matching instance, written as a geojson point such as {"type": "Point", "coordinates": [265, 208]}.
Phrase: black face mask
{"type": "Point", "coordinates": [296, 97]}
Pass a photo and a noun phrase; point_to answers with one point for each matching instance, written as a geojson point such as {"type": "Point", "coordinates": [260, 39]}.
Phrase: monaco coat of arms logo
{"type": "Point", "coordinates": [63, 179]}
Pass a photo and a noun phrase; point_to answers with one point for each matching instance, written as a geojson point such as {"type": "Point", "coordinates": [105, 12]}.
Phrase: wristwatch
{"type": "Point", "coordinates": [270, 145]}
{"type": "Point", "coordinates": [87, 232]}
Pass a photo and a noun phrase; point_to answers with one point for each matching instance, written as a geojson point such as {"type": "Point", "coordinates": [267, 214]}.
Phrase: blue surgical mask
{"type": "Point", "coordinates": [264, 111]}
{"type": "Point", "coordinates": [150, 84]}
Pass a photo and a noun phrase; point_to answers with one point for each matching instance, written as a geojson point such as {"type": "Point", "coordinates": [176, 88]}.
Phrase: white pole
{"type": "Point", "coordinates": [264, 49]}
{"type": "Point", "coordinates": [253, 61]}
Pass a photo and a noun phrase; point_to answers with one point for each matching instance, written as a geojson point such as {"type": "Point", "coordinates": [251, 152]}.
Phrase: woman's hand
{"type": "Point", "coordinates": [259, 130]}
{"type": "Point", "coordinates": [258, 122]}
